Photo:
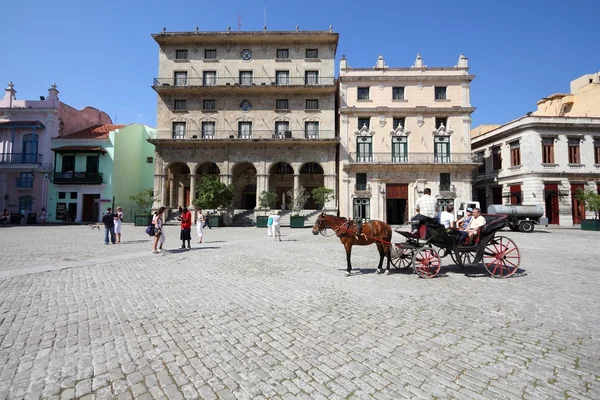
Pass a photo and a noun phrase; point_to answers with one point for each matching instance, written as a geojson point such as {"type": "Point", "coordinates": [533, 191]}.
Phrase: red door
{"type": "Point", "coordinates": [551, 200]}
{"type": "Point", "coordinates": [578, 207]}
{"type": "Point", "coordinates": [515, 194]}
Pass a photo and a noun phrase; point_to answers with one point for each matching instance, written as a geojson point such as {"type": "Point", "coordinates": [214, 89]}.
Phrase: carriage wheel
{"type": "Point", "coordinates": [501, 257]}
{"type": "Point", "coordinates": [404, 261]}
{"type": "Point", "coordinates": [465, 259]}
{"type": "Point", "coordinates": [426, 262]}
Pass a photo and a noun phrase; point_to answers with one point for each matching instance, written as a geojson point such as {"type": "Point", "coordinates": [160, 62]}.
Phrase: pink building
{"type": "Point", "coordinates": [26, 130]}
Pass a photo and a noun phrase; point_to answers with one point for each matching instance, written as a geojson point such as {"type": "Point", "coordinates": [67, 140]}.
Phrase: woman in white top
{"type": "Point", "coordinates": [447, 217]}
{"type": "Point", "coordinates": [276, 226]}
{"type": "Point", "coordinates": [199, 224]}
{"type": "Point", "coordinates": [118, 223]}
{"type": "Point", "coordinates": [159, 235]}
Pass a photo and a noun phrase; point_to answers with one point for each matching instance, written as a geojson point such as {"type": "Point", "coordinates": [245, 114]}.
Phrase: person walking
{"type": "Point", "coordinates": [5, 217]}
{"type": "Point", "coordinates": [24, 216]}
{"type": "Point", "coordinates": [118, 223]}
{"type": "Point", "coordinates": [276, 226]}
{"type": "Point", "coordinates": [270, 224]}
{"type": "Point", "coordinates": [43, 216]}
{"type": "Point", "coordinates": [159, 234]}
{"type": "Point", "coordinates": [186, 228]}
{"type": "Point", "coordinates": [108, 220]}
{"type": "Point", "coordinates": [199, 224]}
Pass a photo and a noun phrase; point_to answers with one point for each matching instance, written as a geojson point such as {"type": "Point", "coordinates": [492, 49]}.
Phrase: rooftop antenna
{"type": "Point", "coordinates": [265, 24]}
{"type": "Point", "coordinates": [239, 22]}
{"type": "Point", "coordinates": [115, 119]}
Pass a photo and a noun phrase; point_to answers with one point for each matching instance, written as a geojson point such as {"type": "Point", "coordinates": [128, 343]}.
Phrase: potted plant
{"type": "Point", "coordinates": [266, 201]}
{"type": "Point", "coordinates": [298, 199]}
{"type": "Point", "coordinates": [213, 194]}
{"type": "Point", "coordinates": [144, 199]}
{"type": "Point", "coordinates": [322, 195]}
{"type": "Point", "coordinates": [591, 200]}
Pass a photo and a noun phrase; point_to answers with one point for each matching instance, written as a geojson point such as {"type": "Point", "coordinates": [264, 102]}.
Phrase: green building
{"type": "Point", "coordinates": [100, 167]}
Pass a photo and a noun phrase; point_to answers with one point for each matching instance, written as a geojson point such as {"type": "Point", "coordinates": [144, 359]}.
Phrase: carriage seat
{"type": "Point", "coordinates": [421, 234]}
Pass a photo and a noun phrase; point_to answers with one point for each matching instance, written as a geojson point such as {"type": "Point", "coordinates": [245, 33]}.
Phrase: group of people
{"type": "Point", "coordinates": [467, 226]}
{"type": "Point", "coordinates": [25, 213]}
{"type": "Point", "coordinates": [185, 219]}
{"type": "Point", "coordinates": [274, 225]}
{"type": "Point", "coordinates": [112, 225]}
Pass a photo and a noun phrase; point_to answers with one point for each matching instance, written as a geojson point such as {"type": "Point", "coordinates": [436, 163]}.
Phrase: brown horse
{"type": "Point", "coordinates": [373, 231]}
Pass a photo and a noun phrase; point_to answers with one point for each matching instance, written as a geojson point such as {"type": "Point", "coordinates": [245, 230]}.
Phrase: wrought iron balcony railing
{"type": "Point", "coordinates": [360, 187]}
{"type": "Point", "coordinates": [20, 158]}
{"type": "Point", "coordinates": [412, 158]}
{"type": "Point", "coordinates": [252, 134]}
{"type": "Point", "coordinates": [24, 183]}
{"type": "Point", "coordinates": [90, 178]}
{"type": "Point", "coordinates": [243, 81]}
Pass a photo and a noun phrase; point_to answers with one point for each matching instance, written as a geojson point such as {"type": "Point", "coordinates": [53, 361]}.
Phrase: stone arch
{"type": "Point", "coordinates": [281, 179]}
{"type": "Point", "coordinates": [312, 176]}
{"type": "Point", "coordinates": [178, 184]}
{"type": "Point", "coordinates": [244, 181]}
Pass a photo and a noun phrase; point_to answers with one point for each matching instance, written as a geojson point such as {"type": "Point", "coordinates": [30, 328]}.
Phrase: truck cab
{"type": "Point", "coordinates": [463, 207]}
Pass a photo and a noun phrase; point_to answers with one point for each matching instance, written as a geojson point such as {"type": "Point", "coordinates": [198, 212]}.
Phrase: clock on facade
{"type": "Point", "coordinates": [246, 55]}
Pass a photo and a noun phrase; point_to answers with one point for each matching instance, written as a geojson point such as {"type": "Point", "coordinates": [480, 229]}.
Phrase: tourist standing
{"type": "Point", "coordinates": [199, 224]}
{"type": "Point", "coordinates": [5, 218]}
{"type": "Point", "coordinates": [159, 235]}
{"type": "Point", "coordinates": [118, 223]}
{"type": "Point", "coordinates": [43, 216]}
{"type": "Point", "coordinates": [24, 216]}
{"type": "Point", "coordinates": [276, 226]}
{"type": "Point", "coordinates": [108, 220]}
{"type": "Point", "coordinates": [186, 228]}
{"type": "Point", "coordinates": [270, 224]}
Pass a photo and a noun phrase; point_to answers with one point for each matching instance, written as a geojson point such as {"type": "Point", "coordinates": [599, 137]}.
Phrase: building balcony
{"type": "Point", "coordinates": [413, 158]}
{"type": "Point", "coordinates": [73, 178]}
{"type": "Point", "coordinates": [247, 135]}
{"type": "Point", "coordinates": [254, 84]}
{"type": "Point", "coordinates": [20, 158]}
{"type": "Point", "coordinates": [24, 183]}
{"type": "Point", "coordinates": [362, 190]}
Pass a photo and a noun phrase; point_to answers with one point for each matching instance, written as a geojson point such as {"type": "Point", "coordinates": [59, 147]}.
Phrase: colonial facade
{"type": "Point", "coordinates": [544, 157]}
{"type": "Point", "coordinates": [27, 128]}
{"type": "Point", "coordinates": [403, 130]}
{"type": "Point", "coordinates": [256, 109]}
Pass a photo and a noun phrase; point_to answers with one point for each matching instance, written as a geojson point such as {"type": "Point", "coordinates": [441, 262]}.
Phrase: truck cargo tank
{"type": "Point", "coordinates": [532, 211]}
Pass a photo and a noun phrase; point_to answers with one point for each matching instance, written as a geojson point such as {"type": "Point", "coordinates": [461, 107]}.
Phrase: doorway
{"type": "Point", "coordinates": [497, 195]}
{"type": "Point", "coordinates": [281, 194]}
{"type": "Point", "coordinates": [71, 212]}
{"type": "Point", "coordinates": [249, 197]}
{"type": "Point", "coordinates": [91, 208]}
{"type": "Point", "coordinates": [551, 200]}
{"type": "Point", "coordinates": [362, 209]}
{"type": "Point", "coordinates": [482, 199]}
{"type": "Point", "coordinates": [396, 211]}
{"type": "Point", "coordinates": [578, 207]}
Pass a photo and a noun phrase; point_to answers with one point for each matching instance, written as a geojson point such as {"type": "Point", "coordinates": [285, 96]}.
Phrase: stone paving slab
{"type": "Point", "coordinates": [243, 317]}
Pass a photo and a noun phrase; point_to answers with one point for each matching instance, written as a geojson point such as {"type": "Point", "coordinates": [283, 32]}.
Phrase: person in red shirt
{"type": "Point", "coordinates": [186, 228]}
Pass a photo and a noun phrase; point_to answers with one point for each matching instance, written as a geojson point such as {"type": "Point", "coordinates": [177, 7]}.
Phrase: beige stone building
{"type": "Point", "coordinates": [544, 157]}
{"type": "Point", "coordinates": [403, 130]}
{"type": "Point", "coordinates": [255, 108]}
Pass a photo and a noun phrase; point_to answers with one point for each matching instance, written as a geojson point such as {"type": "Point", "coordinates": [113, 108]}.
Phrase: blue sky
{"type": "Point", "coordinates": [101, 53]}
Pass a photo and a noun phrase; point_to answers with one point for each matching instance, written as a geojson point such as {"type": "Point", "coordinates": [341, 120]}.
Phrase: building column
{"type": "Point", "coordinates": [260, 187]}
{"type": "Point", "coordinates": [330, 183]}
{"type": "Point", "coordinates": [296, 182]}
{"type": "Point", "coordinates": [162, 181]}
{"type": "Point", "coordinates": [192, 191]}
{"type": "Point", "coordinates": [171, 193]}
{"type": "Point", "coordinates": [565, 204]}
{"type": "Point", "coordinates": [225, 178]}
{"type": "Point", "coordinates": [3, 189]}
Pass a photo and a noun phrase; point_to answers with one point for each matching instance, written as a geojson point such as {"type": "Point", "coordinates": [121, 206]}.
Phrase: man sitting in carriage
{"type": "Point", "coordinates": [477, 221]}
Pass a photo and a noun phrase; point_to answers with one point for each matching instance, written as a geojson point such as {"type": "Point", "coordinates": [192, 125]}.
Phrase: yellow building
{"type": "Point", "coordinates": [403, 130]}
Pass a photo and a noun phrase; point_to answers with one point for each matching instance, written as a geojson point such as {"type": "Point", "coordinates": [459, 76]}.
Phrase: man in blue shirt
{"type": "Point", "coordinates": [108, 220]}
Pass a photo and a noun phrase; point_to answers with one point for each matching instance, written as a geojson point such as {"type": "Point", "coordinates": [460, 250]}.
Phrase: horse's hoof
{"type": "Point", "coordinates": [378, 271]}
{"type": "Point", "coordinates": [387, 272]}
{"type": "Point", "coordinates": [348, 274]}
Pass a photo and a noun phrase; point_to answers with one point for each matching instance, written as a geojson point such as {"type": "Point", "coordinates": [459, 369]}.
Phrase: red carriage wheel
{"type": "Point", "coordinates": [501, 257]}
{"type": "Point", "coordinates": [426, 262]}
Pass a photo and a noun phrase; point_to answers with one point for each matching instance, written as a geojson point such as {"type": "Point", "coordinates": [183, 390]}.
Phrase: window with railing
{"type": "Point", "coordinates": [445, 182]}
{"type": "Point", "coordinates": [283, 53]}
{"type": "Point", "coordinates": [481, 162]}
{"type": "Point", "coordinates": [496, 158]}
{"type": "Point", "coordinates": [364, 149]}
{"type": "Point", "coordinates": [311, 130]}
{"type": "Point", "coordinates": [208, 130]}
{"type": "Point", "coordinates": [364, 121]}
{"type": "Point", "coordinates": [181, 54]}
{"type": "Point", "coordinates": [596, 151]}
{"type": "Point", "coordinates": [281, 127]}
{"type": "Point", "coordinates": [399, 149]}
{"type": "Point", "coordinates": [574, 154]}
{"type": "Point", "coordinates": [282, 77]}
{"type": "Point", "coordinates": [178, 130]}
{"type": "Point", "coordinates": [25, 180]}
{"type": "Point", "coordinates": [312, 104]}
{"type": "Point", "coordinates": [246, 78]}
{"type": "Point", "coordinates": [209, 78]}
{"type": "Point", "coordinates": [312, 53]}
{"type": "Point", "coordinates": [244, 130]}
{"type": "Point", "coordinates": [361, 181]}
{"type": "Point", "coordinates": [515, 154]}
{"type": "Point", "coordinates": [397, 93]}
{"type": "Point", "coordinates": [441, 150]}
{"type": "Point", "coordinates": [547, 150]}
{"type": "Point", "coordinates": [311, 77]}
{"type": "Point", "coordinates": [210, 54]}
{"type": "Point", "coordinates": [179, 105]}
{"type": "Point", "coordinates": [30, 148]}
{"type": "Point", "coordinates": [209, 104]}
{"type": "Point", "coordinates": [440, 93]}
{"type": "Point", "coordinates": [180, 78]}
{"type": "Point", "coordinates": [362, 208]}
{"type": "Point", "coordinates": [363, 93]}
{"type": "Point", "coordinates": [282, 104]}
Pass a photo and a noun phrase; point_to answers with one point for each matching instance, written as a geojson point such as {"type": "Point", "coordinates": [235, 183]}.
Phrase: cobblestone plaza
{"type": "Point", "coordinates": [241, 316]}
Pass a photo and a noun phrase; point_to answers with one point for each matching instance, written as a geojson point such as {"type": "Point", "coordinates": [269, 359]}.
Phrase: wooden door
{"type": "Point", "coordinates": [551, 200]}
{"type": "Point", "coordinates": [577, 207]}
{"type": "Point", "coordinates": [90, 210]}
{"type": "Point", "coordinates": [515, 194]}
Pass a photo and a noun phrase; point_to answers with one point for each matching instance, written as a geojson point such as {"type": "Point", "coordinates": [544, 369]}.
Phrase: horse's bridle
{"type": "Point", "coordinates": [322, 229]}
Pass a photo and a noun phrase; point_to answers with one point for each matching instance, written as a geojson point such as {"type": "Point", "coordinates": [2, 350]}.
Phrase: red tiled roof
{"type": "Point", "coordinates": [93, 132]}
{"type": "Point", "coordinates": [23, 123]}
{"type": "Point", "coordinates": [76, 149]}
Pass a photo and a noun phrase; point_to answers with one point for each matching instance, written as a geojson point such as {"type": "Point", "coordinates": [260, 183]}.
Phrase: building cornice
{"type": "Point", "coordinates": [406, 110]}
{"type": "Point", "coordinates": [535, 122]}
{"type": "Point", "coordinates": [258, 37]}
{"type": "Point", "coordinates": [405, 78]}
{"type": "Point", "coordinates": [182, 144]}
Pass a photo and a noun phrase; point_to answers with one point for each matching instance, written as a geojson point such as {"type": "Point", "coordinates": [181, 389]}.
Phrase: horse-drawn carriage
{"type": "Point", "coordinates": [424, 250]}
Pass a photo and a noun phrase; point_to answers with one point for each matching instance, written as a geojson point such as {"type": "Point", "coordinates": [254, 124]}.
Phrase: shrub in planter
{"type": "Point", "coordinates": [322, 195]}
{"type": "Point", "coordinates": [213, 194]}
{"type": "Point", "coordinates": [298, 199]}
{"type": "Point", "coordinates": [591, 200]}
{"type": "Point", "coordinates": [266, 201]}
{"type": "Point", "coordinates": [143, 199]}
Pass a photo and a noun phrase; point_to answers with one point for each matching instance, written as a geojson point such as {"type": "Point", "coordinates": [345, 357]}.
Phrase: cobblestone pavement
{"type": "Point", "coordinates": [243, 317]}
